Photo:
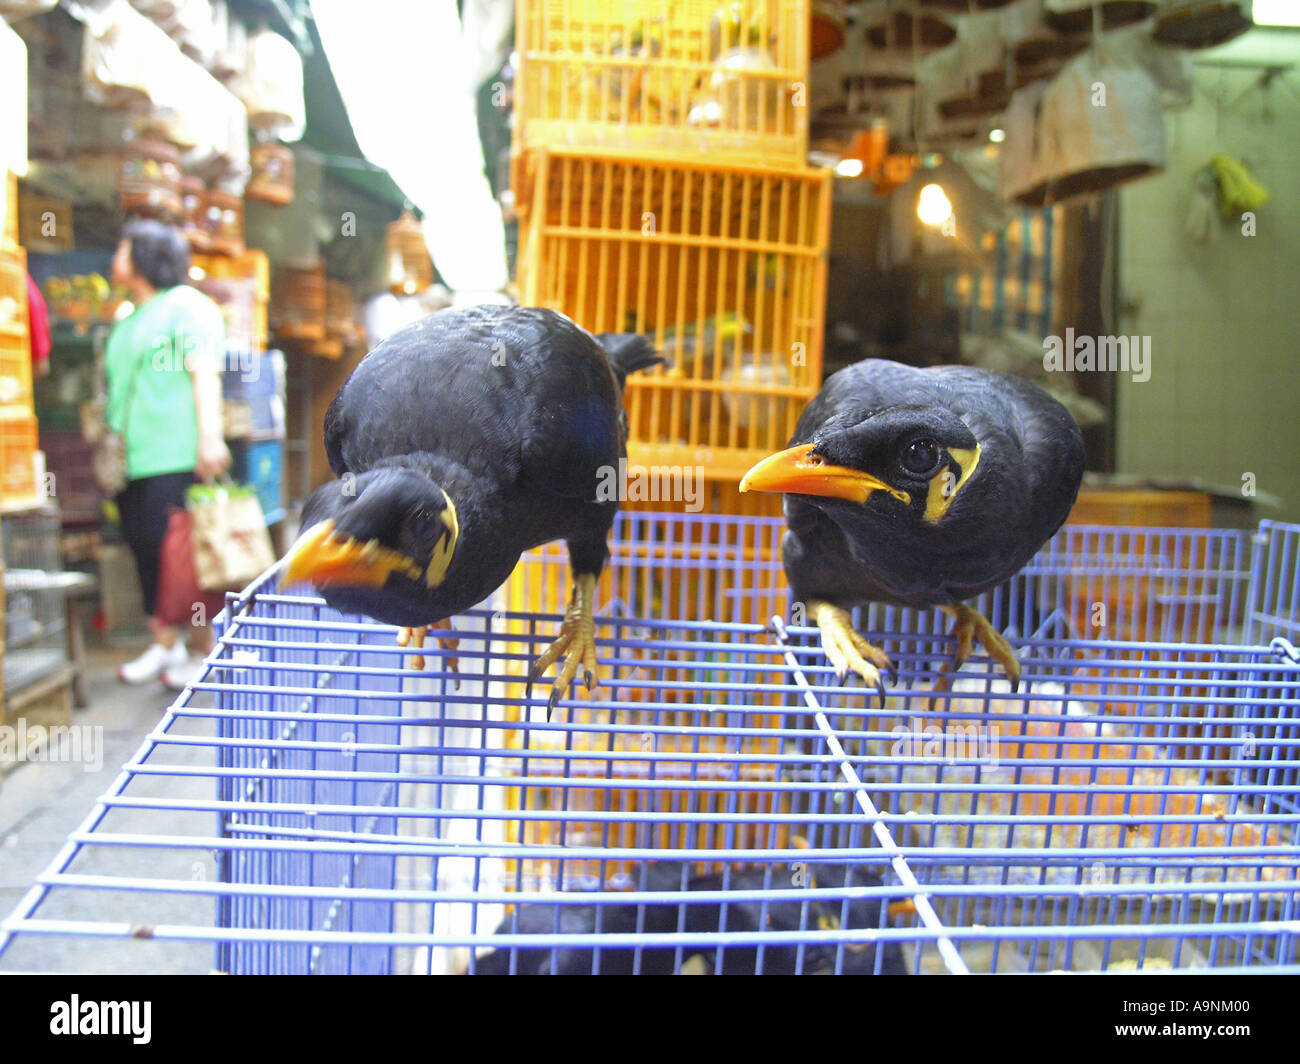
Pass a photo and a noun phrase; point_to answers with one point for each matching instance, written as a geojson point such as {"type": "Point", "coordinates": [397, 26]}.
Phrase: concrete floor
{"type": "Point", "coordinates": [42, 802]}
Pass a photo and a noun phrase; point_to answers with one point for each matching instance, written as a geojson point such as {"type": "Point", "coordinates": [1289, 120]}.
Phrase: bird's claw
{"type": "Point", "coordinates": [576, 644]}
{"type": "Point", "coordinates": [848, 651]}
{"type": "Point", "coordinates": [414, 637]}
{"type": "Point", "coordinates": [970, 627]}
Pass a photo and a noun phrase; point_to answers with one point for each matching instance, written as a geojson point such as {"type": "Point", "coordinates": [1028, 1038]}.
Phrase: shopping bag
{"type": "Point", "coordinates": [178, 586]}
{"type": "Point", "coordinates": [231, 543]}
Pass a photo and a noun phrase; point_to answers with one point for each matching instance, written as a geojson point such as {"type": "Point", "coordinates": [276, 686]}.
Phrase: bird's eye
{"type": "Point", "coordinates": [920, 457]}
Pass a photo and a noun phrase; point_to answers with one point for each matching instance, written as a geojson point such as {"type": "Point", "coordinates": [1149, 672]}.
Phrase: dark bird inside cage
{"type": "Point", "coordinates": [458, 443]}
{"type": "Point", "coordinates": [821, 912]}
{"type": "Point", "coordinates": [921, 488]}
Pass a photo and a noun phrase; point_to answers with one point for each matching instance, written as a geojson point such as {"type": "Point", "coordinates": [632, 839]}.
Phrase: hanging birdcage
{"type": "Point", "coordinates": [149, 183]}
{"type": "Point", "coordinates": [410, 269]}
{"type": "Point", "coordinates": [271, 180]}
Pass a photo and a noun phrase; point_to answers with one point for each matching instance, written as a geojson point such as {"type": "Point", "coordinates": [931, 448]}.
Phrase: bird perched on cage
{"type": "Point", "coordinates": [459, 442]}
{"type": "Point", "coordinates": [918, 487]}
{"type": "Point", "coordinates": [704, 918]}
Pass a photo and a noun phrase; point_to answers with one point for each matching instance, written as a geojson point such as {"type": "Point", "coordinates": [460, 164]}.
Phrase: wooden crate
{"type": "Point", "coordinates": [1146, 508]}
{"type": "Point", "coordinates": [13, 294]}
{"type": "Point", "coordinates": [15, 375]}
{"type": "Point", "coordinates": [674, 81]}
{"type": "Point", "coordinates": [724, 266]}
{"type": "Point", "coordinates": [18, 445]}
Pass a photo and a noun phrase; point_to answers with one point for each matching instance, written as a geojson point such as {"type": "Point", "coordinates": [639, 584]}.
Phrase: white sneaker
{"type": "Point", "coordinates": [188, 671]}
{"type": "Point", "coordinates": [152, 663]}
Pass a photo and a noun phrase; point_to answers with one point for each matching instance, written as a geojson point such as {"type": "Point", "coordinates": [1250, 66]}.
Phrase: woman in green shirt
{"type": "Point", "coordinates": [163, 364]}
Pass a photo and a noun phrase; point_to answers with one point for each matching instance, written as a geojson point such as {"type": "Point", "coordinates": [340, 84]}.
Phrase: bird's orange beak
{"type": "Point", "coordinates": [323, 559]}
{"type": "Point", "coordinates": [798, 471]}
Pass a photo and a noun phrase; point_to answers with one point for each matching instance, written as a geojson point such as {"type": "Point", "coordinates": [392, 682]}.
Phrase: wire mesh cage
{"type": "Point", "coordinates": [723, 804]}
{"type": "Point", "coordinates": [35, 619]}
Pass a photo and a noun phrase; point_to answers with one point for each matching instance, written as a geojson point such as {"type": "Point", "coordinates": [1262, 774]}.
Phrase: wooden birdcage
{"type": "Point", "coordinates": [410, 269]}
{"type": "Point", "coordinates": [271, 180]}
{"type": "Point", "coordinates": [298, 304]}
{"type": "Point", "coordinates": [726, 78]}
{"type": "Point", "coordinates": [724, 266]}
{"type": "Point", "coordinates": [149, 182]}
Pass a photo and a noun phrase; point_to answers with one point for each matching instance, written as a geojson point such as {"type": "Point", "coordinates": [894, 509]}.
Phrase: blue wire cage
{"type": "Point", "coordinates": [317, 804]}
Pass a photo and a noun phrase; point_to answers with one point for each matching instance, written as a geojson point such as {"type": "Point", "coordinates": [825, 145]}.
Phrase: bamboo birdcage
{"type": "Point", "coordinates": [724, 266]}
{"type": "Point", "coordinates": [726, 78]}
{"type": "Point", "coordinates": [271, 180]}
{"type": "Point", "coordinates": [149, 182]}
{"type": "Point", "coordinates": [410, 269]}
{"type": "Point", "coordinates": [298, 304]}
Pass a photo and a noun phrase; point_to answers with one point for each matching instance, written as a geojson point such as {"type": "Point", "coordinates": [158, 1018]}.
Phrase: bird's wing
{"type": "Point", "coordinates": [336, 428]}
{"type": "Point", "coordinates": [521, 395]}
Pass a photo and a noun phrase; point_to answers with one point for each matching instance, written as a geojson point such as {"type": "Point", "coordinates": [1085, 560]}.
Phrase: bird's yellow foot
{"type": "Point", "coordinates": [414, 637]}
{"type": "Point", "coordinates": [577, 643]}
{"type": "Point", "coordinates": [847, 650]}
{"type": "Point", "coordinates": [971, 626]}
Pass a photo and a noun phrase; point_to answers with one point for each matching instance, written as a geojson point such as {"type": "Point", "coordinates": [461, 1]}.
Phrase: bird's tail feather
{"type": "Point", "coordinates": [629, 352]}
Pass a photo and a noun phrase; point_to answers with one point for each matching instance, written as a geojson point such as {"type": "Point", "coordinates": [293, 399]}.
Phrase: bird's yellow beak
{"type": "Point", "coordinates": [800, 472]}
{"type": "Point", "coordinates": [324, 559]}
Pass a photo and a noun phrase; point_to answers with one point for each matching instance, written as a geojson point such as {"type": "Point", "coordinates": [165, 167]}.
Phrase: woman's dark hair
{"type": "Point", "coordinates": [159, 253]}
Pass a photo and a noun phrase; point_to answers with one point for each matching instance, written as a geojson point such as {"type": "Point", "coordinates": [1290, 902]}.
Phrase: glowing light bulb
{"type": "Point", "coordinates": [933, 207]}
{"type": "Point", "coordinates": [849, 168]}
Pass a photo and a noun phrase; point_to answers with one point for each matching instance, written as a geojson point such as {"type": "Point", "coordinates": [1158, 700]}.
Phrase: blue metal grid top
{"type": "Point", "coordinates": [314, 804]}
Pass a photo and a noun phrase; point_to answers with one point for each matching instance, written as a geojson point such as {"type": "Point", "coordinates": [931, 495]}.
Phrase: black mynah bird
{"type": "Point", "coordinates": [460, 442]}
{"type": "Point", "coordinates": [819, 912]}
{"type": "Point", "coordinates": [919, 487]}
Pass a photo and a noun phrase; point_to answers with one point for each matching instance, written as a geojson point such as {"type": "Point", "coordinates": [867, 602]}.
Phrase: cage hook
{"type": "Point", "coordinates": [1284, 648]}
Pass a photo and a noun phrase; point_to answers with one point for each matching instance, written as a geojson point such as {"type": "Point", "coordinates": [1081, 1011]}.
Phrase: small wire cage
{"type": "Point", "coordinates": [724, 804]}
{"type": "Point", "coordinates": [35, 619]}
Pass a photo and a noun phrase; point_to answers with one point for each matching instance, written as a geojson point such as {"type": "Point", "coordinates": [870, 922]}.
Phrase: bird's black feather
{"type": "Point", "coordinates": [628, 353]}
{"type": "Point", "coordinates": [703, 918]}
